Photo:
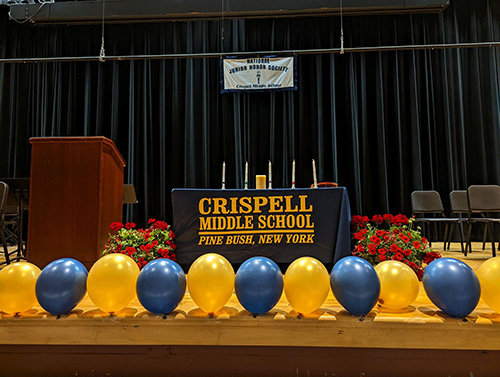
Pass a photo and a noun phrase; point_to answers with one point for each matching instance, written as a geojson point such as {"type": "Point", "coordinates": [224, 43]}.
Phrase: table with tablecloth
{"type": "Point", "coordinates": [281, 224]}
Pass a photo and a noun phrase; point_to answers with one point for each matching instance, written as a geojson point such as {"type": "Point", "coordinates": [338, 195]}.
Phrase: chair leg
{"type": "Point", "coordinates": [493, 249]}
{"type": "Point", "coordinates": [450, 236]}
{"type": "Point", "coordinates": [462, 237]}
{"type": "Point", "coordinates": [485, 235]}
{"type": "Point", "coordinates": [469, 243]}
{"type": "Point", "coordinates": [4, 242]}
{"type": "Point", "coordinates": [446, 235]}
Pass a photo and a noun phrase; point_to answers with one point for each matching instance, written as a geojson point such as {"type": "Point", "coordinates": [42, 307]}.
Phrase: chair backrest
{"type": "Point", "coordinates": [484, 198]}
{"type": "Point", "coordinates": [4, 191]}
{"type": "Point", "coordinates": [426, 202]}
{"type": "Point", "coordinates": [459, 202]}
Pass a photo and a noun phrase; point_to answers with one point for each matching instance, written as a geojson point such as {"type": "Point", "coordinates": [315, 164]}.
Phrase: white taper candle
{"type": "Point", "coordinates": [293, 174]}
{"type": "Point", "coordinates": [246, 175]}
{"type": "Point", "coordinates": [314, 175]}
{"type": "Point", "coordinates": [224, 175]}
{"type": "Point", "coordinates": [270, 176]}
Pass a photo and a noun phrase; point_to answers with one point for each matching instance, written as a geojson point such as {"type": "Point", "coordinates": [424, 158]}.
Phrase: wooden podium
{"type": "Point", "coordinates": [76, 191]}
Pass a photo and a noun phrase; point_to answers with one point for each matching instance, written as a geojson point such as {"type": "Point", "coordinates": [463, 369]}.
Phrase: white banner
{"type": "Point", "coordinates": [258, 74]}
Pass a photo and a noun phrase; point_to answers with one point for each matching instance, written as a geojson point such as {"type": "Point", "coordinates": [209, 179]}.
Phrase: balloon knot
{"type": "Point", "coordinates": [361, 318]}
{"type": "Point", "coordinates": [164, 316]}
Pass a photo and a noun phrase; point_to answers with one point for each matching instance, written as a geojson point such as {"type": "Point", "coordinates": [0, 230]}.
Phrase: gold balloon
{"type": "Point", "coordinates": [398, 284]}
{"type": "Point", "coordinates": [111, 282]}
{"type": "Point", "coordinates": [307, 284]}
{"type": "Point", "coordinates": [17, 287]}
{"type": "Point", "coordinates": [489, 277]}
{"type": "Point", "coordinates": [211, 282]}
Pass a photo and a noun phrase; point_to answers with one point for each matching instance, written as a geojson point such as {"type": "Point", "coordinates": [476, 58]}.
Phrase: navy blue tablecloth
{"type": "Point", "coordinates": [281, 224]}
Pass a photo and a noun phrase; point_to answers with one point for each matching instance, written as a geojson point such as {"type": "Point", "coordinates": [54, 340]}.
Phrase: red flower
{"type": "Point", "coordinates": [382, 251]}
{"type": "Point", "coordinates": [400, 219]}
{"type": "Point", "coordinates": [130, 251]}
{"type": "Point", "coordinates": [151, 221]}
{"type": "Point", "coordinates": [398, 256]}
{"type": "Point", "coordinates": [430, 256]}
{"type": "Point", "coordinates": [382, 257]}
{"type": "Point", "coordinates": [129, 225]}
{"type": "Point", "coordinates": [172, 235]}
{"type": "Point", "coordinates": [404, 238]}
{"type": "Point", "coordinates": [372, 251]}
{"type": "Point", "coordinates": [161, 225]}
{"type": "Point", "coordinates": [372, 246]}
{"type": "Point", "coordinates": [387, 238]}
{"type": "Point", "coordinates": [375, 240]}
{"type": "Point", "coordinates": [407, 252]}
{"type": "Point", "coordinates": [358, 236]}
{"type": "Point", "coordinates": [377, 219]}
{"type": "Point", "coordinates": [116, 226]}
{"type": "Point", "coordinates": [387, 217]}
{"type": "Point", "coordinates": [424, 240]}
{"type": "Point", "coordinates": [359, 221]}
{"type": "Point", "coordinates": [394, 248]}
{"type": "Point", "coordinates": [173, 257]}
{"type": "Point", "coordinates": [416, 245]}
{"type": "Point", "coordinates": [380, 233]}
{"type": "Point", "coordinates": [154, 243]}
{"type": "Point", "coordinates": [419, 273]}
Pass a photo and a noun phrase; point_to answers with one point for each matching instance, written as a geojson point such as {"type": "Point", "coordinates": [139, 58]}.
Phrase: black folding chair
{"type": "Point", "coordinates": [484, 200]}
{"type": "Point", "coordinates": [4, 191]}
{"type": "Point", "coordinates": [429, 203]}
{"type": "Point", "coordinates": [459, 206]}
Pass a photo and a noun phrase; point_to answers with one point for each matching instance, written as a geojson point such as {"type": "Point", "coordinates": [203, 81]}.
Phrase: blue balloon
{"type": "Point", "coordinates": [452, 286]}
{"type": "Point", "coordinates": [258, 284]}
{"type": "Point", "coordinates": [161, 285]}
{"type": "Point", "coordinates": [355, 285]}
{"type": "Point", "coordinates": [61, 285]}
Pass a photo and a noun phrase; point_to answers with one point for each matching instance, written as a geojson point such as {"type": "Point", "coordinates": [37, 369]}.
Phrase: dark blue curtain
{"type": "Point", "coordinates": [380, 123]}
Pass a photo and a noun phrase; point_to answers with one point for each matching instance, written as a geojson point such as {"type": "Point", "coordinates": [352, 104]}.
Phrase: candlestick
{"type": "Point", "coordinates": [224, 175]}
{"type": "Point", "coordinates": [314, 175]}
{"type": "Point", "coordinates": [260, 181]}
{"type": "Point", "coordinates": [246, 175]}
{"type": "Point", "coordinates": [293, 174]}
{"type": "Point", "coordinates": [270, 179]}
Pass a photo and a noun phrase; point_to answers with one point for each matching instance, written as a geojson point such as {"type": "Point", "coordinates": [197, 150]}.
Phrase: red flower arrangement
{"type": "Point", "coordinates": [142, 245]}
{"type": "Point", "coordinates": [391, 237]}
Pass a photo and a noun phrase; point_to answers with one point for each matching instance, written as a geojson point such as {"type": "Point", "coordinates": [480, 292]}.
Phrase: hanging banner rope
{"type": "Point", "coordinates": [258, 74]}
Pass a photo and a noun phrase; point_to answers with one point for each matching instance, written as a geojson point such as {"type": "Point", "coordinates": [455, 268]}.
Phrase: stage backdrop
{"type": "Point", "coordinates": [381, 124]}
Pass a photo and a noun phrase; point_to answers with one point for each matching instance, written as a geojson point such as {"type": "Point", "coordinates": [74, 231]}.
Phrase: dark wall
{"type": "Point", "coordinates": [380, 123]}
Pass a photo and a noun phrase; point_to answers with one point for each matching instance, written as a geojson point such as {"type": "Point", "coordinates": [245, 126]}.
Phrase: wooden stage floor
{"type": "Point", "coordinates": [420, 340]}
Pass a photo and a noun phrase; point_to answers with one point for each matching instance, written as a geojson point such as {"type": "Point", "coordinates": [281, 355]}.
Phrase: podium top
{"type": "Point", "coordinates": [80, 139]}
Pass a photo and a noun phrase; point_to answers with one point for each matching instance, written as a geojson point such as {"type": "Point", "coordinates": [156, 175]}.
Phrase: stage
{"type": "Point", "coordinates": [418, 341]}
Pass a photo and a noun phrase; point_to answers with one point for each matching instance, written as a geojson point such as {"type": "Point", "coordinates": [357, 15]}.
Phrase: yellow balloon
{"type": "Point", "coordinates": [17, 287]}
{"type": "Point", "coordinates": [111, 282]}
{"type": "Point", "coordinates": [398, 284]}
{"type": "Point", "coordinates": [211, 282]}
{"type": "Point", "coordinates": [489, 277]}
{"type": "Point", "coordinates": [307, 284]}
